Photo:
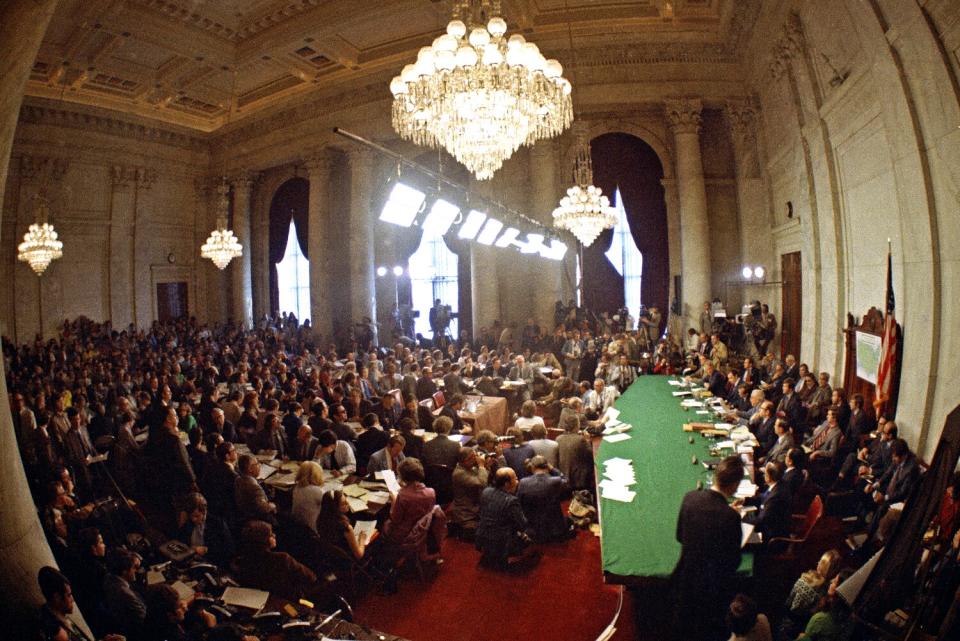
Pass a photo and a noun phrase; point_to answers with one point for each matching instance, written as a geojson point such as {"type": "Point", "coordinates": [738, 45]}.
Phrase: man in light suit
{"type": "Point", "coordinates": [825, 440]}
{"type": "Point", "coordinates": [600, 397]}
{"type": "Point", "coordinates": [543, 446]}
{"type": "Point", "coordinates": [388, 458]}
{"type": "Point", "coordinates": [523, 372]}
{"type": "Point", "coordinates": [783, 445]}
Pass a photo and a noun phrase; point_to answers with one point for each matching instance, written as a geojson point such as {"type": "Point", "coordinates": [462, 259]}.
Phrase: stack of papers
{"type": "Point", "coordinates": [245, 597]}
{"type": "Point", "coordinates": [616, 438]}
{"type": "Point", "coordinates": [616, 427]}
{"type": "Point", "coordinates": [746, 489]}
{"type": "Point", "coordinates": [618, 476]}
{"type": "Point", "coordinates": [689, 402]}
{"type": "Point", "coordinates": [354, 490]}
{"type": "Point", "coordinates": [676, 383]}
{"type": "Point", "coordinates": [682, 393]}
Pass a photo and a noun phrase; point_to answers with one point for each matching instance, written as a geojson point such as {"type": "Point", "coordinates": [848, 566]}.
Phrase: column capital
{"type": "Point", "coordinates": [244, 181]}
{"type": "Point", "coordinates": [122, 175]}
{"type": "Point", "coordinates": [42, 167]}
{"type": "Point", "coordinates": [683, 114]}
{"type": "Point", "coordinates": [145, 177]}
{"type": "Point", "coordinates": [361, 156]}
{"type": "Point", "coordinates": [741, 116]}
{"type": "Point", "coordinates": [318, 162]}
{"type": "Point", "coordinates": [787, 46]}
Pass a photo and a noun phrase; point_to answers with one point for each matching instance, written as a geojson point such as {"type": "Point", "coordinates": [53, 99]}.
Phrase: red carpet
{"type": "Point", "coordinates": [561, 599]}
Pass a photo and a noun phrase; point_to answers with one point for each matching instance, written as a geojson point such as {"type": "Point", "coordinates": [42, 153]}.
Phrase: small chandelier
{"type": "Point", "coordinates": [222, 246]}
{"type": "Point", "coordinates": [584, 211]}
{"type": "Point", "coordinates": [40, 245]}
{"type": "Point", "coordinates": [479, 94]}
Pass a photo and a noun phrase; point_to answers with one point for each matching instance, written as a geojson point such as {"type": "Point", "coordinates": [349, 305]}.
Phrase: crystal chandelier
{"type": "Point", "coordinates": [479, 94]}
{"type": "Point", "coordinates": [40, 245]}
{"type": "Point", "coordinates": [222, 246]}
{"type": "Point", "coordinates": [584, 211]}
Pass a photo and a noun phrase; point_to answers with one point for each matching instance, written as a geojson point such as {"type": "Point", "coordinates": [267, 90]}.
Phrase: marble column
{"type": "Point", "coordinates": [27, 311]}
{"type": "Point", "coordinates": [260, 256]}
{"type": "Point", "coordinates": [318, 165]}
{"type": "Point", "coordinates": [143, 307]}
{"type": "Point", "coordinates": [545, 275]}
{"type": "Point", "coordinates": [755, 241]}
{"type": "Point", "coordinates": [122, 213]}
{"type": "Point", "coordinates": [363, 301]}
{"type": "Point", "coordinates": [23, 547]}
{"type": "Point", "coordinates": [201, 230]}
{"type": "Point", "coordinates": [683, 115]}
{"type": "Point", "coordinates": [242, 267]}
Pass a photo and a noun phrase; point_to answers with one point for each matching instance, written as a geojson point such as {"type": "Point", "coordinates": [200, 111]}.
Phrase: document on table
{"type": "Point", "coordinates": [184, 591]}
{"type": "Point", "coordinates": [611, 413]}
{"type": "Point", "coordinates": [265, 472]}
{"type": "Point", "coordinates": [377, 497]}
{"type": "Point", "coordinates": [746, 489]}
{"type": "Point", "coordinates": [703, 411]}
{"type": "Point", "coordinates": [245, 597]}
{"type": "Point", "coordinates": [154, 577]}
{"type": "Point", "coordinates": [332, 485]}
{"type": "Point", "coordinates": [618, 493]}
{"type": "Point", "coordinates": [354, 490]}
{"type": "Point", "coordinates": [675, 382]}
{"type": "Point", "coordinates": [265, 456]}
{"type": "Point", "coordinates": [356, 505]}
{"type": "Point", "coordinates": [682, 393]}
{"type": "Point", "coordinates": [616, 438]}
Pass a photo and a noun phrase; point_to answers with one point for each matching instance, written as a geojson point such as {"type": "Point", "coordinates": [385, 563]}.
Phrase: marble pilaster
{"type": "Point", "coordinates": [318, 165]}
{"type": "Point", "coordinates": [242, 267]}
{"type": "Point", "coordinates": [683, 116]}
{"type": "Point", "coordinates": [361, 251]}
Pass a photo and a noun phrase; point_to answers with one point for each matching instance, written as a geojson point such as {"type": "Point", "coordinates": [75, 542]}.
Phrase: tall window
{"type": "Point", "coordinates": [626, 258]}
{"type": "Point", "coordinates": [433, 275]}
{"type": "Point", "coordinates": [293, 278]}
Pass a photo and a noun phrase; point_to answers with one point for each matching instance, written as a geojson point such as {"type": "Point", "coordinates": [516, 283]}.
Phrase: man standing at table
{"type": "Point", "coordinates": [709, 532]}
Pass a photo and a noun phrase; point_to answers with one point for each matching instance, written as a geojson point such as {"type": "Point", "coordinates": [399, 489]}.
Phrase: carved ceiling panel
{"type": "Point", "coordinates": [201, 63]}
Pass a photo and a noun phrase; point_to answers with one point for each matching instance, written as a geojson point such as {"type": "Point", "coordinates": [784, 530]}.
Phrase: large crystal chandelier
{"type": "Point", "coordinates": [479, 94]}
{"type": "Point", "coordinates": [222, 246]}
{"type": "Point", "coordinates": [584, 211]}
{"type": "Point", "coordinates": [40, 245]}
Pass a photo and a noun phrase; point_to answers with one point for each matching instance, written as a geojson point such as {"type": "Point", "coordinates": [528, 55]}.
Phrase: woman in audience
{"type": "Point", "coordinates": [308, 494]}
{"type": "Point", "coordinates": [807, 592]}
{"type": "Point", "coordinates": [334, 527]}
{"type": "Point", "coordinates": [745, 623]}
{"type": "Point", "coordinates": [414, 501]}
{"type": "Point", "coordinates": [832, 619]}
{"type": "Point", "coordinates": [528, 418]}
{"type": "Point", "coordinates": [260, 566]}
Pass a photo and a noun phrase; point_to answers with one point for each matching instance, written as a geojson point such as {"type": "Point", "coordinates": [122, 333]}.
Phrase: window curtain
{"type": "Point", "coordinates": [626, 161]}
{"type": "Point", "coordinates": [289, 202]}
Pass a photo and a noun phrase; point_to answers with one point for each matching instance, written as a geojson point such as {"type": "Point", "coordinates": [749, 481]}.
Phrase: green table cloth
{"type": "Point", "coordinates": [638, 539]}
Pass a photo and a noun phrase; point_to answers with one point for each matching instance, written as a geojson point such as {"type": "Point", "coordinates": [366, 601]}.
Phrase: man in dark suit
{"type": "Point", "coordinates": [217, 484]}
{"type": "Point", "coordinates": [343, 431]}
{"type": "Point", "coordinates": [791, 408]}
{"type": "Point", "coordinates": [426, 388]}
{"type": "Point", "coordinates": [453, 383]}
{"type": "Point", "coordinates": [765, 433]}
{"type": "Point", "coordinates": [709, 533]}
{"type": "Point", "coordinates": [750, 376]}
{"type": "Point", "coordinates": [441, 450]}
{"type": "Point", "coordinates": [713, 380]}
{"type": "Point", "coordinates": [772, 517]}
{"type": "Point", "coordinates": [292, 421]}
{"type": "Point", "coordinates": [540, 494]}
{"type": "Point", "coordinates": [897, 482]}
{"type": "Point", "coordinates": [374, 438]}
{"type": "Point", "coordinates": [502, 531]}
{"type": "Point", "coordinates": [452, 411]}
{"type": "Point", "coordinates": [304, 446]}
{"type": "Point", "coordinates": [388, 411]}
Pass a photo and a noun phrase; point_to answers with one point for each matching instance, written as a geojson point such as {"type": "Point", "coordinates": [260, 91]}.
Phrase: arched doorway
{"type": "Point", "coordinates": [626, 165]}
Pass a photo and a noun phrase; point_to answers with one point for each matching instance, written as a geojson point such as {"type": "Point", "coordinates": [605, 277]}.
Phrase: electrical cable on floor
{"type": "Point", "coordinates": [611, 628]}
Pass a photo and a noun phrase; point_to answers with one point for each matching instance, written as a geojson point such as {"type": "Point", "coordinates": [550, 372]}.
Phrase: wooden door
{"type": "Point", "coordinates": [171, 301]}
{"type": "Point", "coordinates": [791, 304]}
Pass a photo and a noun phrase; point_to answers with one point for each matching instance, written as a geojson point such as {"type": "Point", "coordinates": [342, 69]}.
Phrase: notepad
{"type": "Point", "coordinates": [682, 393]}
{"type": "Point", "coordinates": [377, 497]}
{"type": "Point", "coordinates": [265, 472]}
{"type": "Point", "coordinates": [245, 597]}
{"type": "Point", "coordinates": [184, 591]}
{"type": "Point", "coordinates": [748, 534]}
{"type": "Point", "coordinates": [388, 476]}
{"type": "Point", "coordinates": [364, 526]}
{"type": "Point", "coordinates": [616, 438]}
{"type": "Point", "coordinates": [356, 505]}
{"type": "Point", "coordinates": [618, 493]}
{"type": "Point", "coordinates": [354, 490]}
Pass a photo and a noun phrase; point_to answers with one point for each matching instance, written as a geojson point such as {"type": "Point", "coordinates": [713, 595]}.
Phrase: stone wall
{"type": "Point", "coordinates": [860, 133]}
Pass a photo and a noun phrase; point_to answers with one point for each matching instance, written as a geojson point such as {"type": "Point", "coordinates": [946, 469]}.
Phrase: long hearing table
{"type": "Point", "coordinates": [638, 539]}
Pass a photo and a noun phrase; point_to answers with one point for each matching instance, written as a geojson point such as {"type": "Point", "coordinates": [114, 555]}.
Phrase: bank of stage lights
{"type": "Point", "coordinates": [405, 203]}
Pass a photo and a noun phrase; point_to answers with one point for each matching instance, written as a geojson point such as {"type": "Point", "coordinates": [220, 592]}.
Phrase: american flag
{"type": "Point", "coordinates": [888, 345]}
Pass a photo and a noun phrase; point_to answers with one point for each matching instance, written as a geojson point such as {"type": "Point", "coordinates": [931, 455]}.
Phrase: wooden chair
{"type": "Point", "coordinates": [804, 525]}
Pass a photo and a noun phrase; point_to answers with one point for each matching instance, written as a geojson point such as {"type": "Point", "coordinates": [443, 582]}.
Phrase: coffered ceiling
{"type": "Point", "coordinates": [202, 63]}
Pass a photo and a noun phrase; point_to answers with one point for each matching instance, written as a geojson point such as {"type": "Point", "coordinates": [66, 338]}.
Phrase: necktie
{"type": "Point", "coordinates": [821, 438]}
